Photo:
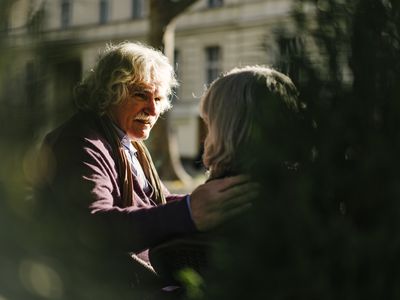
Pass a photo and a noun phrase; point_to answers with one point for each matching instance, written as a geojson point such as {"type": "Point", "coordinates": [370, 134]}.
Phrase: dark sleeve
{"type": "Point", "coordinates": [86, 181]}
{"type": "Point", "coordinates": [142, 228]}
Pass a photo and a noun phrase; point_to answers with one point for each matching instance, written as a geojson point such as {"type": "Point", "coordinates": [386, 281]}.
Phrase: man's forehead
{"type": "Point", "coordinates": [149, 88]}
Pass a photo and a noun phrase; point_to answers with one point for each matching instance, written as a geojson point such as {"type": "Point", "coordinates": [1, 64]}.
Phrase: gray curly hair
{"type": "Point", "coordinates": [120, 67]}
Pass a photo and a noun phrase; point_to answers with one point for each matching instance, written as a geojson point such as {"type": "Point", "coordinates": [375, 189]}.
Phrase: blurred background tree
{"type": "Point", "coordinates": [330, 231]}
{"type": "Point", "coordinates": [163, 144]}
{"type": "Point", "coordinates": [15, 135]}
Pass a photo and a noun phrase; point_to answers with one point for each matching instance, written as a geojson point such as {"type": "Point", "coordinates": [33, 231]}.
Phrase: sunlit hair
{"type": "Point", "coordinates": [231, 107]}
{"type": "Point", "coordinates": [119, 68]}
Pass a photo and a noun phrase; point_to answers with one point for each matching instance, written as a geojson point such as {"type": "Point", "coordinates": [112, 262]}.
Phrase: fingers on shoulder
{"type": "Point", "coordinates": [229, 182]}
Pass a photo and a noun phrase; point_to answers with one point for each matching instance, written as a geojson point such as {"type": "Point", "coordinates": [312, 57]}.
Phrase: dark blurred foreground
{"type": "Point", "coordinates": [328, 230]}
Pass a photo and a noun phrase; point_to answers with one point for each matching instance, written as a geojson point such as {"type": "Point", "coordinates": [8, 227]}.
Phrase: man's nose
{"type": "Point", "coordinates": [152, 107]}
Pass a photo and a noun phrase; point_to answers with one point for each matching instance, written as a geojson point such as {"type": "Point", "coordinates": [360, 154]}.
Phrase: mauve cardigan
{"type": "Point", "coordinates": [83, 186]}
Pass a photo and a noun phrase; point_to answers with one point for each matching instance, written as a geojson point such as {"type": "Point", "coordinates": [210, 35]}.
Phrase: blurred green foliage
{"type": "Point", "coordinates": [192, 282]}
{"type": "Point", "coordinates": [330, 229]}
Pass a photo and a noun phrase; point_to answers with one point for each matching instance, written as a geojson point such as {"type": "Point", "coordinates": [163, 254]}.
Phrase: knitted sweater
{"type": "Point", "coordinates": [82, 185]}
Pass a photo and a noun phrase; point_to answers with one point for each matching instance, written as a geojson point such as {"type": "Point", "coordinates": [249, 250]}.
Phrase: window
{"type": "Point", "coordinates": [215, 3]}
{"type": "Point", "coordinates": [4, 25]}
{"type": "Point", "coordinates": [177, 63]}
{"type": "Point", "coordinates": [137, 9]}
{"type": "Point", "coordinates": [213, 63]}
{"type": "Point", "coordinates": [290, 50]}
{"type": "Point", "coordinates": [103, 11]}
{"type": "Point", "coordinates": [178, 73]}
{"type": "Point", "coordinates": [66, 10]}
{"type": "Point", "coordinates": [36, 20]}
{"type": "Point", "coordinates": [31, 84]}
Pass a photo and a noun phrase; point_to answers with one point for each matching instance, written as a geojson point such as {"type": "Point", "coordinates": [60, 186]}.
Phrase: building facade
{"type": "Point", "coordinates": [211, 37]}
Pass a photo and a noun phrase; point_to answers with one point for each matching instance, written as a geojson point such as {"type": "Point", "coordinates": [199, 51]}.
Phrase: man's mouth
{"type": "Point", "coordinates": [144, 121]}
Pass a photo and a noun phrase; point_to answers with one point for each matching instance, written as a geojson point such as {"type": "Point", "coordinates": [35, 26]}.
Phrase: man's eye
{"type": "Point", "coordinates": [157, 99]}
{"type": "Point", "coordinates": [140, 95]}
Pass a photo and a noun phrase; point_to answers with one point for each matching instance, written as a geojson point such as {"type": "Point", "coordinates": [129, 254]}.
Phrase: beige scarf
{"type": "Point", "coordinates": [124, 167]}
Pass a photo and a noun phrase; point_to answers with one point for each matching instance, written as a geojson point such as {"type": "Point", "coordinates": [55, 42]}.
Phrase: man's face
{"type": "Point", "coordinates": [137, 114]}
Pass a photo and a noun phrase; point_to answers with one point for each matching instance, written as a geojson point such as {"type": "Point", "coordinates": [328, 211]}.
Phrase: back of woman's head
{"type": "Point", "coordinates": [242, 108]}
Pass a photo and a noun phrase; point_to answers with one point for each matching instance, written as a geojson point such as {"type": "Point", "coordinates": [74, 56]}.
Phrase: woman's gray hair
{"type": "Point", "coordinates": [231, 107]}
{"type": "Point", "coordinates": [122, 66]}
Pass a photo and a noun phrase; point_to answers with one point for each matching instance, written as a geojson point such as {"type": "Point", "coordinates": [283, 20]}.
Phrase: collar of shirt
{"type": "Point", "coordinates": [130, 150]}
{"type": "Point", "coordinates": [125, 141]}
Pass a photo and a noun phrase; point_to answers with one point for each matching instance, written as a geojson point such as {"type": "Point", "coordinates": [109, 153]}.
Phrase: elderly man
{"type": "Point", "coordinates": [100, 178]}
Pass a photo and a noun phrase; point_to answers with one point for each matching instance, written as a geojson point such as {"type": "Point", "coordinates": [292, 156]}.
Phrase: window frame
{"type": "Point", "coordinates": [213, 62]}
{"type": "Point", "coordinates": [215, 3]}
{"type": "Point", "coordinates": [137, 11]}
{"type": "Point", "coordinates": [104, 11]}
{"type": "Point", "coordinates": [66, 13]}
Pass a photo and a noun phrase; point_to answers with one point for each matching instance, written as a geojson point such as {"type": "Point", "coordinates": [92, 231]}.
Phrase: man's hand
{"type": "Point", "coordinates": [218, 200]}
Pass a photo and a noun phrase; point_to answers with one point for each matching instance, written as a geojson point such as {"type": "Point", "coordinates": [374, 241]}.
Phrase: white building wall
{"type": "Point", "coordinates": [53, 15]}
{"type": "Point", "coordinates": [83, 12]}
{"type": "Point", "coordinates": [120, 10]}
{"type": "Point", "coordinates": [239, 27]}
{"type": "Point", "coordinates": [18, 15]}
